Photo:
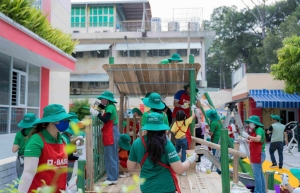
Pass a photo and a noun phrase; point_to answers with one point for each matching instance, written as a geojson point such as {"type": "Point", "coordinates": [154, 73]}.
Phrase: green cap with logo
{"type": "Point", "coordinates": [136, 110]}
{"type": "Point", "coordinates": [124, 142]}
{"type": "Point", "coordinates": [28, 121]}
{"type": "Point", "coordinates": [254, 119]}
{"type": "Point", "coordinates": [276, 117]}
{"type": "Point", "coordinates": [212, 115]}
{"type": "Point", "coordinates": [154, 101]}
{"type": "Point", "coordinates": [54, 113]}
{"type": "Point", "coordinates": [108, 96]}
{"type": "Point", "coordinates": [155, 122]}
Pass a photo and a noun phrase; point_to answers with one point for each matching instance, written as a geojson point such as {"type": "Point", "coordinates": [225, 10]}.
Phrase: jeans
{"type": "Point", "coordinates": [19, 166]}
{"type": "Point", "coordinates": [279, 147]}
{"type": "Point", "coordinates": [183, 145]}
{"type": "Point", "coordinates": [214, 151]}
{"type": "Point", "coordinates": [260, 183]}
{"type": "Point", "coordinates": [111, 157]}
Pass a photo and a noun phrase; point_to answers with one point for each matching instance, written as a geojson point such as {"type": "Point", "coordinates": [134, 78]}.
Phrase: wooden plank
{"type": "Point", "coordinates": [89, 156]}
{"type": "Point", "coordinates": [168, 78]}
{"type": "Point", "coordinates": [195, 184]}
{"type": "Point", "coordinates": [217, 176]}
{"type": "Point", "coordinates": [118, 77]}
{"type": "Point", "coordinates": [154, 77]}
{"type": "Point", "coordinates": [134, 79]}
{"type": "Point", "coordinates": [148, 88]}
{"type": "Point", "coordinates": [127, 78]}
{"type": "Point", "coordinates": [211, 182]}
{"type": "Point", "coordinates": [127, 124]}
{"type": "Point", "coordinates": [161, 78]}
{"type": "Point", "coordinates": [184, 184]}
{"type": "Point", "coordinates": [121, 112]}
{"type": "Point", "coordinates": [140, 78]}
{"type": "Point", "coordinates": [111, 82]}
{"type": "Point", "coordinates": [236, 164]}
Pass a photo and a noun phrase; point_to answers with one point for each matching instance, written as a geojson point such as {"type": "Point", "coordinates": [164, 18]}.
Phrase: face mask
{"type": "Point", "coordinates": [251, 125]}
{"type": "Point", "coordinates": [62, 126]}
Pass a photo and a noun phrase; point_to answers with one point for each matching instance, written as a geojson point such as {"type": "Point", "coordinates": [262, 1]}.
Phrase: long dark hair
{"type": "Point", "coordinates": [23, 133]}
{"type": "Point", "coordinates": [156, 143]}
{"type": "Point", "coordinates": [181, 116]}
{"type": "Point", "coordinates": [38, 128]}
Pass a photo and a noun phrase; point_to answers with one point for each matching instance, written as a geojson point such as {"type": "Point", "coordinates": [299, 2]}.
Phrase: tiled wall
{"type": "Point", "coordinates": [7, 172]}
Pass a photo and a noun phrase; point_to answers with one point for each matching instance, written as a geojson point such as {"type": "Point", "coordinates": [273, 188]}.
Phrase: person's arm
{"type": "Point", "coordinates": [180, 167]}
{"type": "Point", "coordinates": [131, 165]}
{"type": "Point", "coordinates": [270, 130]}
{"type": "Point", "coordinates": [286, 138]}
{"type": "Point", "coordinates": [76, 138]}
{"type": "Point", "coordinates": [15, 148]}
{"type": "Point", "coordinates": [289, 188]}
{"type": "Point", "coordinates": [105, 118]}
{"type": "Point", "coordinates": [176, 103]}
{"type": "Point", "coordinates": [255, 139]}
{"type": "Point", "coordinates": [30, 169]}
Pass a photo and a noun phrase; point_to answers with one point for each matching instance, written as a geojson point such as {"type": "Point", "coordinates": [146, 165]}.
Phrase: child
{"type": "Point", "coordinates": [179, 128]}
{"type": "Point", "coordinates": [125, 146]}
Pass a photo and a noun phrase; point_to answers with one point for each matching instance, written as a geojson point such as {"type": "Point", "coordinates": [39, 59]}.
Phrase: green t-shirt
{"type": "Point", "coordinates": [260, 131]}
{"type": "Point", "coordinates": [21, 140]}
{"type": "Point", "coordinates": [158, 178]}
{"type": "Point", "coordinates": [215, 127]}
{"type": "Point", "coordinates": [111, 108]}
{"type": "Point", "coordinates": [35, 144]}
{"type": "Point", "coordinates": [144, 118]}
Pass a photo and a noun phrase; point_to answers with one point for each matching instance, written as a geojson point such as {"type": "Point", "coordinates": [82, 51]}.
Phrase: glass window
{"type": "Point", "coordinates": [78, 17]}
{"type": "Point", "coordinates": [4, 79]}
{"type": "Point", "coordinates": [33, 98]}
{"type": "Point", "coordinates": [19, 65]}
{"type": "Point", "coordinates": [34, 111]}
{"type": "Point", "coordinates": [102, 16]}
{"type": "Point", "coordinates": [17, 115]}
{"type": "Point", "coordinates": [3, 120]}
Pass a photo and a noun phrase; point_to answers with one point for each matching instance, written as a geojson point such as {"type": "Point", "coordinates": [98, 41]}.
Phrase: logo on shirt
{"type": "Point", "coordinates": [50, 162]}
{"type": "Point", "coordinates": [57, 162]}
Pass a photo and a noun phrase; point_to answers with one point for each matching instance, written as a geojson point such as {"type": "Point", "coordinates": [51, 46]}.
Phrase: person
{"type": "Point", "coordinates": [231, 128]}
{"type": "Point", "coordinates": [20, 140]}
{"type": "Point", "coordinates": [182, 102]}
{"type": "Point", "coordinates": [125, 146]}
{"type": "Point", "coordinates": [137, 112]}
{"type": "Point", "coordinates": [175, 59]}
{"type": "Point", "coordinates": [179, 129]}
{"type": "Point", "coordinates": [278, 132]}
{"type": "Point", "coordinates": [215, 127]}
{"type": "Point", "coordinates": [156, 105]}
{"type": "Point", "coordinates": [46, 147]}
{"type": "Point", "coordinates": [285, 180]}
{"type": "Point", "coordinates": [200, 132]}
{"type": "Point", "coordinates": [169, 113]}
{"type": "Point", "coordinates": [256, 140]}
{"type": "Point", "coordinates": [110, 136]}
{"type": "Point", "coordinates": [67, 135]}
{"type": "Point", "coordinates": [164, 61]}
{"type": "Point", "coordinates": [157, 157]}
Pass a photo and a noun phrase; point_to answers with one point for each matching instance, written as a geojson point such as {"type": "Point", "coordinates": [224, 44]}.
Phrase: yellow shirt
{"type": "Point", "coordinates": [183, 128]}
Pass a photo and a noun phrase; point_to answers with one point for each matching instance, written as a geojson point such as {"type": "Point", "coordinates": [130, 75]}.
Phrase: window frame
{"type": "Point", "coordinates": [81, 16]}
{"type": "Point", "coordinates": [101, 16]}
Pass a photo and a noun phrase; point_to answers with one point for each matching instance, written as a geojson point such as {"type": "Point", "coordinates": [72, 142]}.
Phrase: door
{"type": "Point", "coordinates": [287, 116]}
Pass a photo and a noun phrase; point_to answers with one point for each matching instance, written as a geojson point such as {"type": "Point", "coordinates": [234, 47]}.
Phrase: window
{"type": "Point", "coordinates": [5, 63]}
{"type": "Point", "coordinates": [102, 16]}
{"type": "Point", "coordinates": [77, 55]}
{"type": "Point", "coordinates": [153, 53]}
{"type": "Point", "coordinates": [132, 53]}
{"type": "Point", "coordinates": [99, 54]}
{"type": "Point", "coordinates": [79, 84]}
{"type": "Point", "coordinates": [78, 17]}
{"type": "Point", "coordinates": [33, 86]}
{"type": "Point", "coordinates": [195, 52]}
{"type": "Point", "coordinates": [182, 52]}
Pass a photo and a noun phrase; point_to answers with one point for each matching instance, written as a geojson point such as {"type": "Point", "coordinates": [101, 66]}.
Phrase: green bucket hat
{"type": "Point", "coordinates": [75, 117]}
{"type": "Point", "coordinates": [54, 113]}
{"type": "Point", "coordinates": [136, 110]}
{"type": "Point", "coordinates": [175, 57]}
{"type": "Point", "coordinates": [164, 61]}
{"type": "Point", "coordinates": [188, 85]}
{"type": "Point", "coordinates": [155, 122]}
{"type": "Point", "coordinates": [153, 101]}
{"type": "Point", "coordinates": [276, 117]}
{"type": "Point", "coordinates": [254, 119]}
{"type": "Point", "coordinates": [212, 115]}
{"type": "Point", "coordinates": [124, 142]}
{"type": "Point", "coordinates": [28, 121]}
{"type": "Point", "coordinates": [107, 95]}
{"type": "Point", "coordinates": [223, 118]}
{"type": "Point", "coordinates": [295, 172]}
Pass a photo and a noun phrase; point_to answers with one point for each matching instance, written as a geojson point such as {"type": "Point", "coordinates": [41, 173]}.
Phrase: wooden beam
{"type": "Point", "coordinates": [89, 155]}
{"type": "Point", "coordinates": [216, 146]}
{"type": "Point", "coordinates": [128, 124]}
{"type": "Point", "coordinates": [121, 112]}
{"type": "Point", "coordinates": [111, 81]}
{"type": "Point", "coordinates": [236, 164]}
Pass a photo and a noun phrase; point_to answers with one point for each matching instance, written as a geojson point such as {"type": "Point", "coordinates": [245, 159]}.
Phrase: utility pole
{"type": "Point", "coordinates": [125, 37]}
{"type": "Point", "coordinates": [224, 80]}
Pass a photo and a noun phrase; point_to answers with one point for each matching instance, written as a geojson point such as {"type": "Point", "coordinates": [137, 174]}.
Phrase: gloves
{"type": "Point", "coordinates": [193, 158]}
{"type": "Point", "coordinates": [184, 107]}
{"type": "Point", "coordinates": [198, 96]}
{"type": "Point", "coordinates": [94, 112]}
{"type": "Point", "coordinates": [80, 137]}
{"type": "Point", "coordinates": [245, 135]}
{"type": "Point", "coordinates": [285, 179]}
{"type": "Point", "coordinates": [194, 107]}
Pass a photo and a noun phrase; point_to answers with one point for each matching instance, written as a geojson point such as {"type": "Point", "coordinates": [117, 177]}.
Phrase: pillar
{"type": "Point", "coordinates": [253, 110]}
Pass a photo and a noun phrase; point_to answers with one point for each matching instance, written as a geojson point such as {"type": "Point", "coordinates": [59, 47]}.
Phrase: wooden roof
{"type": "Point", "coordinates": [139, 79]}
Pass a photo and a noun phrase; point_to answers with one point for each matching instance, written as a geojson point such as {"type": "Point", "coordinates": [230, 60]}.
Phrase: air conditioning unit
{"type": "Point", "coordinates": [76, 91]}
{"type": "Point", "coordinates": [76, 31]}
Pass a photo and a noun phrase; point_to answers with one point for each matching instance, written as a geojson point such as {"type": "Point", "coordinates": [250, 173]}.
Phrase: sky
{"type": "Point", "coordinates": [164, 8]}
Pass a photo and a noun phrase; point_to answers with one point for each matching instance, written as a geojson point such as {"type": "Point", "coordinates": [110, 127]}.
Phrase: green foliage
{"type": "Point", "coordinates": [22, 12]}
{"type": "Point", "coordinates": [288, 66]}
{"type": "Point", "coordinates": [79, 108]}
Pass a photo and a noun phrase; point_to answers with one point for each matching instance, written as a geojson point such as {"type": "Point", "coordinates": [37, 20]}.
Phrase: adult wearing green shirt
{"type": "Point", "coordinates": [215, 126]}
{"type": "Point", "coordinates": [158, 158]}
{"type": "Point", "coordinates": [110, 135]}
{"type": "Point", "coordinates": [45, 150]}
{"type": "Point", "coordinates": [20, 139]}
{"type": "Point", "coordinates": [257, 143]}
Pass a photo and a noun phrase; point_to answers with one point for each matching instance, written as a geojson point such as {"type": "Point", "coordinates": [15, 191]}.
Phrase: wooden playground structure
{"type": "Point", "coordinates": [135, 80]}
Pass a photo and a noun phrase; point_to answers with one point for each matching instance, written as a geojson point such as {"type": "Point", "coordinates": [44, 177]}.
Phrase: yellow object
{"type": "Point", "coordinates": [190, 152]}
{"type": "Point", "coordinates": [208, 171]}
{"type": "Point", "coordinates": [183, 128]}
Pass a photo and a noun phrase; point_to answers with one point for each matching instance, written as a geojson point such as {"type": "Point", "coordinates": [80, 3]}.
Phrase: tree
{"type": "Point", "coordinates": [288, 67]}
{"type": "Point", "coordinates": [79, 107]}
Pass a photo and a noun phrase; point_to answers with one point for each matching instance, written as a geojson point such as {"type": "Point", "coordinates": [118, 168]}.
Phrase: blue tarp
{"type": "Point", "coordinates": [274, 99]}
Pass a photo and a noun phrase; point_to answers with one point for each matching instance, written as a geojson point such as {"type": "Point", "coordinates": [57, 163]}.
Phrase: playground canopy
{"type": "Point", "coordinates": [139, 79]}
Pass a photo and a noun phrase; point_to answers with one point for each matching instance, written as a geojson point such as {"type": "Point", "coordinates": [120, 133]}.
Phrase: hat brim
{"type": "Point", "coordinates": [256, 123]}
{"type": "Point", "coordinates": [108, 98]}
{"type": "Point", "coordinates": [155, 127]}
{"type": "Point", "coordinates": [69, 130]}
{"type": "Point", "coordinates": [75, 120]}
{"type": "Point", "coordinates": [276, 118]}
{"type": "Point", "coordinates": [55, 118]}
{"type": "Point", "coordinates": [147, 102]}
{"type": "Point", "coordinates": [207, 113]}
{"type": "Point", "coordinates": [25, 125]}
{"type": "Point", "coordinates": [295, 172]}
{"type": "Point", "coordinates": [125, 146]}
{"type": "Point", "coordinates": [173, 59]}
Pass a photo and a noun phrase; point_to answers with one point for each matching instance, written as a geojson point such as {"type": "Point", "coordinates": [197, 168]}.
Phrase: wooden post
{"type": "Point", "coordinates": [111, 81]}
{"type": "Point", "coordinates": [89, 155]}
{"type": "Point", "coordinates": [236, 164]}
{"type": "Point", "coordinates": [134, 127]}
{"type": "Point", "coordinates": [128, 124]}
{"type": "Point", "coordinates": [121, 113]}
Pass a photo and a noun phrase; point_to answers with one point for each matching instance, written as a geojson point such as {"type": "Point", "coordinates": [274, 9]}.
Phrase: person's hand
{"type": "Point", "coordinates": [286, 143]}
{"type": "Point", "coordinates": [193, 158]}
{"type": "Point", "coordinates": [245, 135]}
{"type": "Point", "coordinates": [194, 107]}
{"type": "Point", "coordinates": [80, 138]}
{"type": "Point", "coordinates": [184, 107]}
{"type": "Point", "coordinates": [94, 112]}
{"type": "Point", "coordinates": [285, 179]}
{"type": "Point", "coordinates": [198, 96]}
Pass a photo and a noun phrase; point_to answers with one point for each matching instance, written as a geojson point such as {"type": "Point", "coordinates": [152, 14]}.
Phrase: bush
{"type": "Point", "coordinates": [79, 107]}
